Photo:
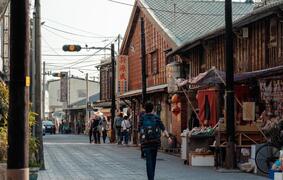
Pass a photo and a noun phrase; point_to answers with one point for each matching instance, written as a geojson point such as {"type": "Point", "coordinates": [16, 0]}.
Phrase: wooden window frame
{"type": "Point", "coordinates": [154, 62]}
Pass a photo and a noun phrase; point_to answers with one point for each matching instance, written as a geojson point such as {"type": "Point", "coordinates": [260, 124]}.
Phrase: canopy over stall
{"type": "Point", "coordinates": [215, 76]}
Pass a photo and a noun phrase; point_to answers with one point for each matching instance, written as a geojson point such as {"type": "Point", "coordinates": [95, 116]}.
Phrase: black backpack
{"type": "Point", "coordinates": [150, 130]}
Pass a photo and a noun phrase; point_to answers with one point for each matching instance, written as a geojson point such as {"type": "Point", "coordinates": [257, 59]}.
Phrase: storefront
{"type": "Point", "coordinates": [258, 106]}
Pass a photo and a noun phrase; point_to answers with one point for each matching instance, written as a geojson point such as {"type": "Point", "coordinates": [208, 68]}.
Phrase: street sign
{"type": "Point", "coordinates": [64, 87]}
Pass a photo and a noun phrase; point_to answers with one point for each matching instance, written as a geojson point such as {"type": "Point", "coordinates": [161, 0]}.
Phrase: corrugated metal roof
{"type": "Point", "coordinates": [258, 13]}
{"type": "Point", "coordinates": [192, 18]}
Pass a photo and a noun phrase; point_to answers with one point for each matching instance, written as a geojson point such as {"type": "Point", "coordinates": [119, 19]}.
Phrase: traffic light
{"type": "Point", "coordinates": [72, 48]}
{"type": "Point", "coordinates": [61, 74]}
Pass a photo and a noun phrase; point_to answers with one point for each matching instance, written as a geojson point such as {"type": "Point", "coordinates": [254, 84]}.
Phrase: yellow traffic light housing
{"type": "Point", "coordinates": [72, 48]}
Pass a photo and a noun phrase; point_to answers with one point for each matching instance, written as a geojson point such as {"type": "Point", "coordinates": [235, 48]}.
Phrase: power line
{"type": "Point", "coordinates": [84, 59]}
{"type": "Point", "coordinates": [75, 55]}
{"type": "Point", "coordinates": [75, 34]}
{"type": "Point", "coordinates": [170, 11]}
{"type": "Point", "coordinates": [68, 65]}
{"type": "Point", "coordinates": [56, 22]}
{"type": "Point", "coordinates": [69, 39]}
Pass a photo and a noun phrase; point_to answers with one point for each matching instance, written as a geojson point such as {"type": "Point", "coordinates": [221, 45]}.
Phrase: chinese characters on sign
{"type": "Point", "coordinates": [122, 74]}
{"type": "Point", "coordinates": [64, 87]}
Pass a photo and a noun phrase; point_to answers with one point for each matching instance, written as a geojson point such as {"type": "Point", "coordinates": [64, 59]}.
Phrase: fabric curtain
{"type": "Point", "coordinates": [207, 103]}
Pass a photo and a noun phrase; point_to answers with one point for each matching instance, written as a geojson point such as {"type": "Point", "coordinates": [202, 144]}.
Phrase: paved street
{"type": "Point", "coordinates": [71, 157]}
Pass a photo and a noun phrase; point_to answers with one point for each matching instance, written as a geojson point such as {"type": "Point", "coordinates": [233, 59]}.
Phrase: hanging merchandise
{"type": "Point", "coordinates": [207, 103]}
{"type": "Point", "coordinates": [175, 99]}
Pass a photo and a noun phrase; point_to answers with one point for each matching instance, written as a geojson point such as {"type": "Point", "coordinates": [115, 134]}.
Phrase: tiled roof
{"type": "Point", "coordinates": [192, 18]}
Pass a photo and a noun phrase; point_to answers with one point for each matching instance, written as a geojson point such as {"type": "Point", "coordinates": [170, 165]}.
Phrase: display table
{"type": "Point", "coordinates": [198, 142]}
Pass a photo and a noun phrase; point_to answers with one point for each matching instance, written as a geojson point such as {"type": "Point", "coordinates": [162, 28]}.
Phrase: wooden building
{"type": "Point", "coordinates": [167, 25]}
{"type": "Point", "coordinates": [258, 45]}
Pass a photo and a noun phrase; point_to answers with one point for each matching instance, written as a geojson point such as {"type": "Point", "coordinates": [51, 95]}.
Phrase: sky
{"type": "Point", "coordinates": [84, 22]}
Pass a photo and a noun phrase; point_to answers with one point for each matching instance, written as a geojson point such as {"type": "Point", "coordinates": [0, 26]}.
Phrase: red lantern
{"type": "Point", "coordinates": [175, 99]}
{"type": "Point", "coordinates": [176, 110]}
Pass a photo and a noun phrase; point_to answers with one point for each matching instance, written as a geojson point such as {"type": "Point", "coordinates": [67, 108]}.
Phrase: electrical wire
{"type": "Point", "coordinates": [75, 55]}
{"type": "Point", "coordinates": [75, 34]}
{"type": "Point", "coordinates": [68, 65]}
{"type": "Point", "coordinates": [69, 39]}
{"type": "Point", "coordinates": [56, 22]}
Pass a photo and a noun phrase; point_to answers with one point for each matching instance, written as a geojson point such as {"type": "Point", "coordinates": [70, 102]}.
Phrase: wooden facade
{"type": "Point", "coordinates": [260, 48]}
{"type": "Point", "coordinates": [156, 45]}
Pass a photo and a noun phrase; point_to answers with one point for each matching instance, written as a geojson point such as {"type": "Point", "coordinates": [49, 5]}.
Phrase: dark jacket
{"type": "Point", "coordinates": [158, 123]}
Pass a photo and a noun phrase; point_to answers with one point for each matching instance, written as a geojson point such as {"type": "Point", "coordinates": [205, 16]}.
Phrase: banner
{"type": "Point", "coordinates": [122, 74]}
{"type": "Point", "coordinates": [64, 87]}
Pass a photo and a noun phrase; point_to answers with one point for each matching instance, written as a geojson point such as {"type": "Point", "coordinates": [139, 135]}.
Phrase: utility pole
{"type": "Point", "coordinates": [230, 152]}
{"type": "Point", "coordinates": [18, 129]}
{"type": "Point", "coordinates": [43, 91]}
{"type": "Point", "coordinates": [33, 69]}
{"type": "Point", "coordinates": [87, 100]}
{"type": "Point", "coordinates": [143, 62]}
{"type": "Point", "coordinates": [113, 104]}
{"type": "Point", "coordinates": [37, 108]}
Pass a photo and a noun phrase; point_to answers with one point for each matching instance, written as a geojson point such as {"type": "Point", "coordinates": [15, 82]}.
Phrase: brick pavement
{"type": "Point", "coordinates": [71, 157]}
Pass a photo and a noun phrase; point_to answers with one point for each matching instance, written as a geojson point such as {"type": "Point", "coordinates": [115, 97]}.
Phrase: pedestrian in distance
{"type": "Point", "coordinates": [104, 128]}
{"type": "Point", "coordinates": [90, 131]}
{"type": "Point", "coordinates": [118, 125]}
{"type": "Point", "coordinates": [96, 125]}
{"type": "Point", "coordinates": [126, 129]}
{"type": "Point", "coordinates": [150, 127]}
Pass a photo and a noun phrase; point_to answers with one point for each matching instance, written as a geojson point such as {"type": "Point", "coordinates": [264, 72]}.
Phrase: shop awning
{"type": "Point", "coordinates": [107, 104]}
{"type": "Point", "coordinates": [214, 76]}
{"type": "Point", "coordinates": [260, 74]}
{"type": "Point", "coordinates": [153, 89]}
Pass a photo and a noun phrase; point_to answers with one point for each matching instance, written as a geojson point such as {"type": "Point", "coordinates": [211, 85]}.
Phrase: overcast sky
{"type": "Point", "coordinates": [91, 22]}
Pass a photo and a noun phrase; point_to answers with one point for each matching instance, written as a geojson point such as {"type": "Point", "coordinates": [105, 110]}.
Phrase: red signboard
{"type": "Point", "coordinates": [122, 74]}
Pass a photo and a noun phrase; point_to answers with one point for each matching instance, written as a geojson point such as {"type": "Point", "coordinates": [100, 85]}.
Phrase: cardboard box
{"type": "Point", "coordinates": [201, 159]}
{"type": "Point", "coordinates": [278, 176]}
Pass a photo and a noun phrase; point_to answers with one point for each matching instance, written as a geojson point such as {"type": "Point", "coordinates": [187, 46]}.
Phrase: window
{"type": "Point", "coordinates": [154, 62]}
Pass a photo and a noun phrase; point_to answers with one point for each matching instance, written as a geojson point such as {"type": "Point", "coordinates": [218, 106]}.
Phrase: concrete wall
{"type": "Point", "coordinates": [77, 92]}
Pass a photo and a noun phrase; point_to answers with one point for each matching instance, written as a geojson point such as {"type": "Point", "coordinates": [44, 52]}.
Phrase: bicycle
{"type": "Point", "coordinates": [268, 153]}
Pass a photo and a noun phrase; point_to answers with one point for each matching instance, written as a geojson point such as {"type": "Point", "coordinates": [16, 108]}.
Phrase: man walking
{"type": "Point", "coordinates": [96, 129]}
{"type": "Point", "coordinates": [150, 128]}
{"type": "Point", "coordinates": [118, 125]}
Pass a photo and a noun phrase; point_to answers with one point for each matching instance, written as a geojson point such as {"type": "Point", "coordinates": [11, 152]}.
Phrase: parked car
{"type": "Point", "coordinates": [43, 130]}
{"type": "Point", "coordinates": [49, 127]}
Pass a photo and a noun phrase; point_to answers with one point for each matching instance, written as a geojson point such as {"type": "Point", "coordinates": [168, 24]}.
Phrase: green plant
{"type": "Point", "coordinates": [4, 107]}
{"type": "Point", "coordinates": [33, 142]}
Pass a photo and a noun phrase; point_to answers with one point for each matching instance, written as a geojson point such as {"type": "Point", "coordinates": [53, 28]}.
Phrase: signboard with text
{"type": "Point", "coordinates": [122, 67]}
{"type": "Point", "coordinates": [64, 87]}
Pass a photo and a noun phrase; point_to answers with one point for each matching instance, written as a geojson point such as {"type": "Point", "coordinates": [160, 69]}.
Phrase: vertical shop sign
{"type": "Point", "coordinates": [122, 74]}
{"type": "Point", "coordinates": [64, 87]}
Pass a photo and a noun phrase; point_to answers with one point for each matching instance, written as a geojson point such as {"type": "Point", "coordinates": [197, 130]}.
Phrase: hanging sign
{"type": "Point", "coordinates": [122, 74]}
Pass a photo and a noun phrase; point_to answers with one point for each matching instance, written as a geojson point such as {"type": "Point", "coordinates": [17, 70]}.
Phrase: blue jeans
{"type": "Point", "coordinates": [150, 154]}
{"type": "Point", "coordinates": [126, 136]}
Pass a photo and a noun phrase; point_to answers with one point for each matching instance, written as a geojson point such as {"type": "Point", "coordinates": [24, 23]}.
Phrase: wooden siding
{"type": "Point", "coordinates": [154, 42]}
{"type": "Point", "coordinates": [263, 48]}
